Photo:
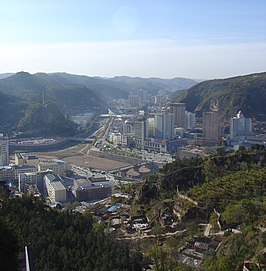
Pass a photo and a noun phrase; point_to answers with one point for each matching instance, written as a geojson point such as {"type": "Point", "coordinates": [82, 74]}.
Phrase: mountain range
{"type": "Point", "coordinates": [71, 93]}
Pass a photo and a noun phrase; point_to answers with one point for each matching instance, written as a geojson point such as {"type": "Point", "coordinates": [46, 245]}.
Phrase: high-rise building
{"type": "Point", "coordinates": [164, 125]}
{"type": "Point", "coordinates": [178, 109]}
{"type": "Point", "coordinates": [134, 100]}
{"type": "Point", "coordinates": [240, 126]}
{"type": "Point", "coordinates": [190, 120]}
{"type": "Point", "coordinates": [212, 127]}
{"type": "Point", "coordinates": [140, 133]}
{"type": "Point", "coordinates": [150, 127]}
{"type": "Point", "coordinates": [4, 151]}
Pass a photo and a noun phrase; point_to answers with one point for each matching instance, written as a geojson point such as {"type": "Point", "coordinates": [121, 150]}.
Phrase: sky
{"type": "Point", "coordinates": [200, 39]}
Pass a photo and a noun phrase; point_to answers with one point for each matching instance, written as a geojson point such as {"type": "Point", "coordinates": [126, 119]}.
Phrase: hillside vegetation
{"type": "Point", "coordinates": [195, 191]}
{"type": "Point", "coordinates": [246, 93]}
{"type": "Point", "coordinates": [59, 240]}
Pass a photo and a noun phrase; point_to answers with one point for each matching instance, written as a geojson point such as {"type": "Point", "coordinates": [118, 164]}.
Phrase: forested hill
{"type": "Point", "coordinates": [11, 110]}
{"type": "Point", "coordinates": [246, 93]}
{"type": "Point", "coordinates": [69, 96]}
{"type": "Point", "coordinates": [59, 240]}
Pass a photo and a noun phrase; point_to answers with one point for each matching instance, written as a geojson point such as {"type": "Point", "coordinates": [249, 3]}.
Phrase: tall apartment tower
{"type": "Point", "coordinates": [140, 133]}
{"type": "Point", "coordinates": [190, 120]}
{"type": "Point", "coordinates": [178, 109]}
{"type": "Point", "coordinates": [240, 126]}
{"type": "Point", "coordinates": [133, 100]}
{"type": "Point", "coordinates": [164, 125]}
{"type": "Point", "coordinates": [150, 127]}
{"type": "Point", "coordinates": [4, 151]}
{"type": "Point", "coordinates": [212, 127]}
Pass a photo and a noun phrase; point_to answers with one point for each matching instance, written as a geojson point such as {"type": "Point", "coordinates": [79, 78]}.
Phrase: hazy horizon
{"type": "Point", "coordinates": [198, 39]}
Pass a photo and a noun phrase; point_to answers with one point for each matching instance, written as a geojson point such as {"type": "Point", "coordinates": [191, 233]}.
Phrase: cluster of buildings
{"type": "Point", "coordinates": [166, 126]}
{"type": "Point", "coordinates": [47, 178]}
{"type": "Point", "coordinates": [160, 131]}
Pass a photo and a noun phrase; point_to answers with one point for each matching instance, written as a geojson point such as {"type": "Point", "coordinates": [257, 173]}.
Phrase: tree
{"type": "Point", "coordinates": [192, 228]}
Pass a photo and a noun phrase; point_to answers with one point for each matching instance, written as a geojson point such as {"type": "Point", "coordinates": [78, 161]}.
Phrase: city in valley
{"type": "Point", "coordinates": [101, 172]}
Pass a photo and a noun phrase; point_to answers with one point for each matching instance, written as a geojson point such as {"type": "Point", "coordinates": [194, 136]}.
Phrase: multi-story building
{"type": "Point", "coordinates": [4, 151]}
{"type": "Point", "coordinates": [134, 100]}
{"type": "Point", "coordinates": [150, 128]}
{"type": "Point", "coordinates": [25, 159]}
{"type": "Point", "coordinates": [164, 125]}
{"type": "Point", "coordinates": [140, 133]}
{"type": "Point", "coordinates": [178, 109]}
{"type": "Point", "coordinates": [190, 120]}
{"type": "Point", "coordinates": [55, 188]}
{"type": "Point", "coordinates": [57, 166]}
{"type": "Point", "coordinates": [11, 173]}
{"type": "Point", "coordinates": [26, 179]}
{"type": "Point", "coordinates": [85, 190]}
{"type": "Point", "coordinates": [32, 178]}
{"type": "Point", "coordinates": [240, 126]}
{"type": "Point", "coordinates": [212, 127]}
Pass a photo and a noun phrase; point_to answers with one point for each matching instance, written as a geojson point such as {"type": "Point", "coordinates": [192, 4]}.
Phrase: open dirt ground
{"type": "Point", "coordinates": [95, 162]}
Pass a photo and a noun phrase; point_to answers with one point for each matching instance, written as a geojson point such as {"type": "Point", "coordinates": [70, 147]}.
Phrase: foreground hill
{"type": "Point", "coordinates": [224, 191]}
{"type": "Point", "coordinates": [246, 93]}
{"type": "Point", "coordinates": [60, 240]}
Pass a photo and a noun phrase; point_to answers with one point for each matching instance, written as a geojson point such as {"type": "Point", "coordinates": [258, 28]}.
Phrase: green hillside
{"type": "Point", "coordinates": [69, 96]}
{"type": "Point", "coordinates": [45, 120]}
{"type": "Point", "coordinates": [246, 93]}
{"type": "Point", "coordinates": [11, 111]}
{"type": "Point", "coordinates": [229, 189]}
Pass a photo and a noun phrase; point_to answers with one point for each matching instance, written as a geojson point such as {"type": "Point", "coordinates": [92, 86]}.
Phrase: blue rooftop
{"type": "Point", "coordinates": [112, 208]}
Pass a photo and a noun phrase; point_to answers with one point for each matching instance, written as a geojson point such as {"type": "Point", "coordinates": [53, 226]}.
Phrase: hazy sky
{"type": "Point", "coordinates": [163, 38]}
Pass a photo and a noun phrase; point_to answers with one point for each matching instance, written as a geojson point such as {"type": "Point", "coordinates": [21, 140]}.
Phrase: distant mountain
{"type": "Point", "coordinates": [104, 88]}
{"type": "Point", "coordinates": [154, 84]}
{"type": "Point", "coordinates": [246, 93]}
{"type": "Point", "coordinates": [5, 75]}
{"type": "Point", "coordinates": [120, 86]}
{"type": "Point", "coordinates": [69, 96]}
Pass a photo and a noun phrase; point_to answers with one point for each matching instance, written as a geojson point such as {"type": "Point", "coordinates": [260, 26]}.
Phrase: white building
{"type": "Point", "coordinates": [55, 188]}
{"type": "Point", "coordinates": [240, 126]}
{"type": "Point", "coordinates": [164, 125]}
{"type": "Point", "coordinates": [116, 138]}
{"type": "Point", "coordinates": [190, 120]}
{"type": "Point", "coordinates": [57, 166]}
{"type": "Point", "coordinates": [4, 151]}
{"type": "Point", "coordinates": [26, 159]}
